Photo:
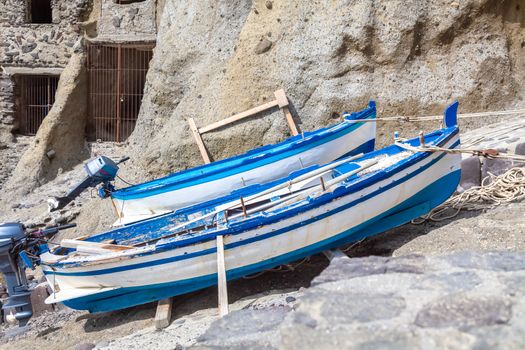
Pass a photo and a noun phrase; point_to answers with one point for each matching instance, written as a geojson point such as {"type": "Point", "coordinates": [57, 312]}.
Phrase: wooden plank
{"type": "Point", "coordinates": [74, 243]}
{"type": "Point", "coordinates": [291, 122]}
{"type": "Point", "coordinates": [221, 275]}
{"type": "Point", "coordinates": [119, 216]}
{"type": "Point", "coordinates": [283, 103]}
{"type": "Point", "coordinates": [335, 253]}
{"type": "Point", "coordinates": [282, 100]}
{"type": "Point", "coordinates": [239, 116]}
{"type": "Point", "coordinates": [163, 314]}
{"type": "Point", "coordinates": [198, 139]}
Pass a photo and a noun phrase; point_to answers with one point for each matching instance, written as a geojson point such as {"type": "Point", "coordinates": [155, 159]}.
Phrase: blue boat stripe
{"type": "Point", "coordinates": [256, 238]}
{"type": "Point", "coordinates": [135, 192]}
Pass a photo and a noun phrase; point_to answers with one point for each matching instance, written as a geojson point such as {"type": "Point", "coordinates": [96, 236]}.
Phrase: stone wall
{"type": "Point", "coordinates": [134, 19]}
{"type": "Point", "coordinates": [31, 45]}
{"type": "Point", "coordinates": [7, 114]}
{"type": "Point", "coordinates": [39, 45]}
{"type": "Point", "coordinates": [30, 48]}
{"type": "Point", "coordinates": [61, 132]}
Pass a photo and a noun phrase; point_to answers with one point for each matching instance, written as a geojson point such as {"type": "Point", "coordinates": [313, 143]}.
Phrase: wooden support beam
{"type": "Point", "coordinates": [280, 101]}
{"type": "Point", "coordinates": [283, 103]}
{"type": "Point", "coordinates": [163, 314]}
{"type": "Point", "coordinates": [334, 253]}
{"type": "Point", "coordinates": [237, 117]}
{"type": "Point", "coordinates": [221, 275]}
{"type": "Point", "coordinates": [291, 122]}
{"type": "Point", "coordinates": [280, 97]}
{"type": "Point", "coordinates": [198, 139]}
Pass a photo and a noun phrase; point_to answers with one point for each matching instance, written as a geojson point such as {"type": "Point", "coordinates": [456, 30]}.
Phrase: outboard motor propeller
{"type": "Point", "coordinates": [19, 250]}
{"type": "Point", "coordinates": [100, 170]}
{"type": "Point", "coordinates": [12, 234]}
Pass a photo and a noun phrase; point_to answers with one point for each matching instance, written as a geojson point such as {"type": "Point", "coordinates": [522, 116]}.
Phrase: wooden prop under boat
{"type": "Point", "coordinates": [329, 206]}
{"type": "Point", "coordinates": [257, 166]}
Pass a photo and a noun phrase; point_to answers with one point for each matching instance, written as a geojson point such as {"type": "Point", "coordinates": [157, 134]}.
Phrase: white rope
{"type": "Point", "coordinates": [511, 112]}
{"type": "Point", "coordinates": [494, 191]}
{"type": "Point", "coordinates": [491, 154]}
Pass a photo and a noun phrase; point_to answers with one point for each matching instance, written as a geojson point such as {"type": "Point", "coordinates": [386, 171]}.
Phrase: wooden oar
{"type": "Point", "coordinates": [307, 176]}
{"type": "Point", "coordinates": [93, 247]}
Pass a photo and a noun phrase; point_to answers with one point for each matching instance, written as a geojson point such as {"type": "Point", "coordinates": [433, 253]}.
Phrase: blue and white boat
{"type": "Point", "coordinates": [315, 209]}
{"type": "Point", "coordinates": [257, 166]}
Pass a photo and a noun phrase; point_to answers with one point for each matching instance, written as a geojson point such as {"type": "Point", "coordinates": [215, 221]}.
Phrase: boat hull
{"type": "Point", "coordinates": [347, 138]}
{"type": "Point", "coordinates": [393, 201]}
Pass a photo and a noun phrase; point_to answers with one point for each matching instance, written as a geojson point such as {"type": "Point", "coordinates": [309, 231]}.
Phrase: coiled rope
{"type": "Point", "coordinates": [494, 191]}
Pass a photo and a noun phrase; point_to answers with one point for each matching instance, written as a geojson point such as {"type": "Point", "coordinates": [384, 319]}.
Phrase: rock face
{"type": "Point", "coordinates": [465, 300]}
{"type": "Point", "coordinates": [414, 57]}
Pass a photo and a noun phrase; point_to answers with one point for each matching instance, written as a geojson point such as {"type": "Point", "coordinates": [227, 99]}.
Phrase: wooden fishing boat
{"type": "Point", "coordinates": [257, 166]}
{"type": "Point", "coordinates": [319, 208]}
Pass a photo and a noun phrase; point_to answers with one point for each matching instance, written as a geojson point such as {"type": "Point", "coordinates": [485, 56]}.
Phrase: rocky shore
{"type": "Point", "coordinates": [465, 300]}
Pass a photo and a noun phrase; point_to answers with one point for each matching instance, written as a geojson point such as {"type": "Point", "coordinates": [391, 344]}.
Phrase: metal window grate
{"type": "Point", "coordinates": [117, 75]}
{"type": "Point", "coordinates": [36, 97]}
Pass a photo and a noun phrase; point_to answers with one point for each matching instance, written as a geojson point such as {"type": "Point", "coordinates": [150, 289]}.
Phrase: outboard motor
{"type": "Point", "coordinates": [100, 170]}
{"type": "Point", "coordinates": [19, 250]}
{"type": "Point", "coordinates": [11, 235]}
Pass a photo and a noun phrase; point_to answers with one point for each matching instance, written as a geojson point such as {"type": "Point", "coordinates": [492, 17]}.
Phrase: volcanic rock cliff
{"type": "Point", "coordinates": [217, 58]}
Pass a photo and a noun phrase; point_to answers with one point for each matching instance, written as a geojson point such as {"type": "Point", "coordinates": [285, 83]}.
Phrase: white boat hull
{"type": "Point", "coordinates": [326, 226]}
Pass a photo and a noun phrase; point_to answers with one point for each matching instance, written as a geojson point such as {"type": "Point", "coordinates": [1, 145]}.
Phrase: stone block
{"type": "Point", "coordinates": [495, 166]}
{"type": "Point", "coordinates": [38, 297]}
{"type": "Point", "coordinates": [263, 46]}
{"type": "Point", "coordinates": [470, 173]}
{"type": "Point", "coordinates": [464, 312]}
{"type": "Point", "coordinates": [520, 149]}
{"type": "Point", "coordinates": [85, 346]}
{"type": "Point", "coordinates": [28, 47]}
